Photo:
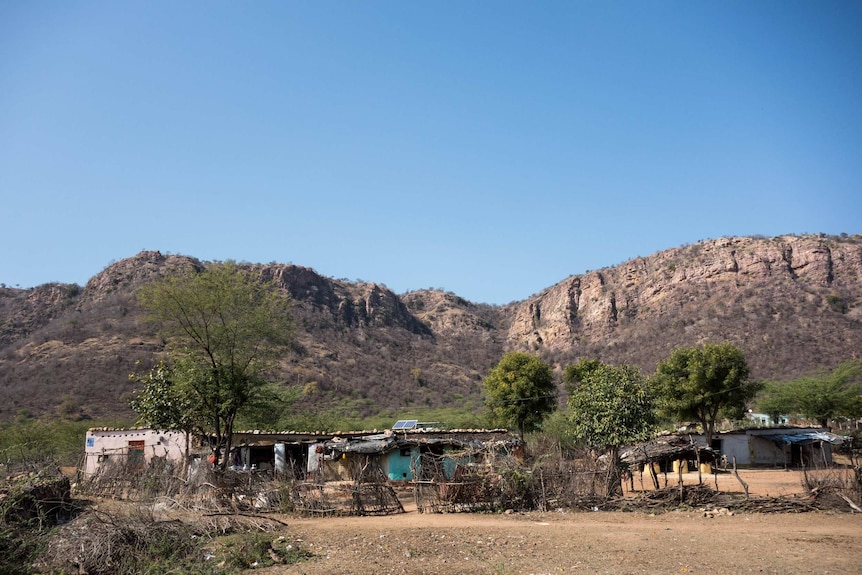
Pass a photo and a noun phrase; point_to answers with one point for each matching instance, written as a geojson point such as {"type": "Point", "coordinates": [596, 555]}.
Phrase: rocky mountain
{"type": "Point", "coordinates": [792, 303]}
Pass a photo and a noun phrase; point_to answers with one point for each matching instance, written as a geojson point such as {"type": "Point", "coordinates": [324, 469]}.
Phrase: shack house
{"type": "Point", "coordinates": [282, 451]}
{"type": "Point", "coordinates": [294, 453]}
{"type": "Point", "coordinates": [778, 446]}
{"type": "Point", "coordinates": [333, 457]}
{"type": "Point", "coordinates": [131, 446]}
{"type": "Point", "coordinates": [760, 447]}
{"type": "Point", "coordinates": [399, 452]}
{"type": "Point", "coordinates": [669, 452]}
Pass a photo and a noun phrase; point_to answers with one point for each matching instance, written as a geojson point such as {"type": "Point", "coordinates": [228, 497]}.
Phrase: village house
{"type": "Point", "coordinates": [135, 447]}
{"type": "Point", "coordinates": [397, 452]}
{"type": "Point", "coordinates": [788, 447]}
{"type": "Point", "coordinates": [322, 456]}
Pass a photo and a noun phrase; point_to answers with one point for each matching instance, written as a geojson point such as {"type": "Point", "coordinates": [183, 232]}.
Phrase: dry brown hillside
{"type": "Point", "coordinates": [792, 303]}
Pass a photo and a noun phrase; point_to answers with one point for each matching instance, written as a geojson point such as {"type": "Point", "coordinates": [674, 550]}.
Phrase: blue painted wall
{"type": "Point", "coordinates": [399, 463]}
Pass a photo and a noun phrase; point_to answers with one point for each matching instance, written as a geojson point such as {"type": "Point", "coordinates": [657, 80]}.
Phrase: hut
{"type": "Point", "coordinates": [787, 447]}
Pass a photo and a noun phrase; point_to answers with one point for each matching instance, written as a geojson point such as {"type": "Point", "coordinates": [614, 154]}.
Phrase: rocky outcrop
{"type": "Point", "coordinates": [446, 314]}
{"type": "Point", "coordinates": [792, 303]}
{"type": "Point", "coordinates": [692, 282]}
{"type": "Point", "coordinates": [126, 275]}
{"type": "Point", "coordinates": [23, 312]}
{"type": "Point", "coordinates": [347, 304]}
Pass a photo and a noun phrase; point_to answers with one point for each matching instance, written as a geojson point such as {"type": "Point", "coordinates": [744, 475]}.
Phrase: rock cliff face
{"type": "Point", "coordinates": [355, 305]}
{"type": "Point", "coordinates": [23, 312]}
{"type": "Point", "coordinates": [741, 289]}
{"type": "Point", "coordinates": [792, 303]}
{"type": "Point", "coordinates": [449, 315]}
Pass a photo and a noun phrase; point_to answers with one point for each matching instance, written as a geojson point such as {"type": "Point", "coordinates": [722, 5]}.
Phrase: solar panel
{"type": "Point", "coordinates": [405, 424]}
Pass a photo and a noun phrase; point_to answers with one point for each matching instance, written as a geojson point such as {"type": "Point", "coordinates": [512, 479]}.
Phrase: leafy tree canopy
{"type": "Point", "coordinates": [703, 383]}
{"type": "Point", "coordinates": [225, 330]}
{"type": "Point", "coordinates": [163, 404]}
{"type": "Point", "coordinates": [822, 396]}
{"type": "Point", "coordinates": [609, 406]}
{"type": "Point", "coordinates": [520, 392]}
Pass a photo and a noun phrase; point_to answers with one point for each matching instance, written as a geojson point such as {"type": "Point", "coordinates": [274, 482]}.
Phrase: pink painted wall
{"type": "Point", "coordinates": [112, 444]}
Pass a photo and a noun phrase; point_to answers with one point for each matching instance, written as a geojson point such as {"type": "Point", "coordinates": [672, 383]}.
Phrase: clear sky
{"type": "Point", "coordinates": [488, 148]}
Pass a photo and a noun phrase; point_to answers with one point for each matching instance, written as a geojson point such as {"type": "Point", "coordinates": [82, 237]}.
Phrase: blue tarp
{"type": "Point", "coordinates": [806, 438]}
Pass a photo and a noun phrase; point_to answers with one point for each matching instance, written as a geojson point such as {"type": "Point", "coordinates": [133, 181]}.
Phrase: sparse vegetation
{"type": "Point", "coordinates": [44, 440]}
{"type": "Point", "coordinates": [836, 303]}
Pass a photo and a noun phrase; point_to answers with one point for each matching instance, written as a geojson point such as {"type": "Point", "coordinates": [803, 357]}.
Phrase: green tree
{"type": "Point", "coordinates": [776, 399]}
{"type": "Point", "coordinates": [520, 392]}
{"type": "Point", "coordinates": [822, 396]}
{"type": "Point", "coordinates": [162, 403]}
{"type": "Point", "coordinates": [703, 383]}
{"type": "Point", "coordinates": [225, 331]}
{"type": "Point", "coordinates": [609, 407]}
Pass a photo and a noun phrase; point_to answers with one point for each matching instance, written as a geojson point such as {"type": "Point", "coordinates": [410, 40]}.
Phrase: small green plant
{"type": "Point", "coordinates": [836, 303]}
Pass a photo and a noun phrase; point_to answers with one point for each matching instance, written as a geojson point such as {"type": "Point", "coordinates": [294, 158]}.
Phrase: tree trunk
{"type": "Point", "coordinates": [613, 486]}
{"type": "Point", "coordinates": [185, 470]}
{"type": "Point", "coordinates": [228, 443]}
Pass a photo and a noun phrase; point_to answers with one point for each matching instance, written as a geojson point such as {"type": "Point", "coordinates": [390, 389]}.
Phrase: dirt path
{"type": "Point", "coordinates": [414, 543]}
{"type": "Point", "coordinates": [585, 542]}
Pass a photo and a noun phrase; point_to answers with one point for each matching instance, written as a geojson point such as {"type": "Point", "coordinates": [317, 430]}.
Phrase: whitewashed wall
{"type": "Point", "coordinates": [104, 445]}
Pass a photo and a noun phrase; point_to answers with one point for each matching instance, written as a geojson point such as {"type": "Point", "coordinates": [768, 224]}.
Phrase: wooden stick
{"type": "Point", "coordinates": [697, 456]}
{"type": "Point", "coordinates": [850, 503]}
{"type": "Point", "coordinates": [736, 473]}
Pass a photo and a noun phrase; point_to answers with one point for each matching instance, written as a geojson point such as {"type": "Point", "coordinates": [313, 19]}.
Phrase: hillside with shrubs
{"type": "Point", "coordinates": [791, 303]}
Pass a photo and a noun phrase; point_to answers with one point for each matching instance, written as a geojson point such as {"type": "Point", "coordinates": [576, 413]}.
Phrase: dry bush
{"type": "Point", "coordinates": [578, 482]}
{"type": "Point", "coordinates": [836, 486]}
{"type": "Point", "coordinates": [201, 488]}
{"type": "Point", "coordinates": [135, 540]}
{"type": "Point", "coordinates": [124, 479]}
{"type": "Point", "coordinates": [102, 545]}
{"type": "Point", "coordinates": [481, 481]}
{"type": "Point", "coordinates": [31, 503]}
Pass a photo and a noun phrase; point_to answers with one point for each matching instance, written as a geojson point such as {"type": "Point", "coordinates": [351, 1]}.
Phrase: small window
{"type": "Point", "coordinates": [405, 452]}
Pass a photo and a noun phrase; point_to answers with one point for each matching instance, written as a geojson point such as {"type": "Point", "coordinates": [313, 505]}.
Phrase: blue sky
{"type": "Point", "coordinates": [488, 148]}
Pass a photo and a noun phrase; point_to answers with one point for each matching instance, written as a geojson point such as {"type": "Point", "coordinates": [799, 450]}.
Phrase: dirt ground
{"type": "Point", "coordinates": [587, 542]}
